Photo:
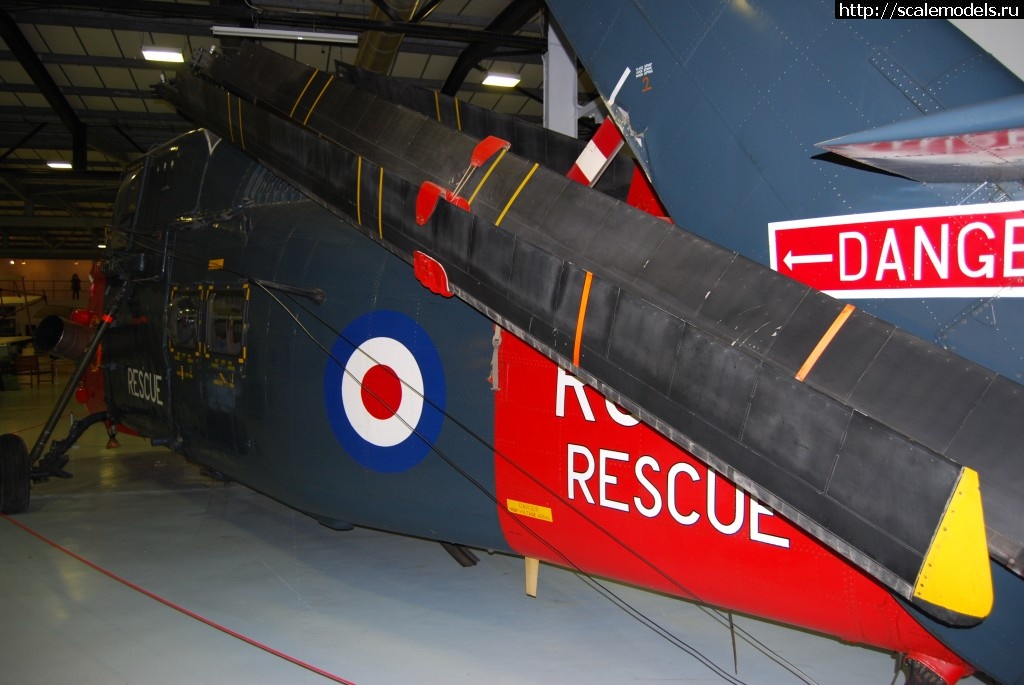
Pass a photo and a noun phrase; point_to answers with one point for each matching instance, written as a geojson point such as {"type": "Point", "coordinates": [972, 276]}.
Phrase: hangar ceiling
{"type": "Point", "coordinates": [74, 86]}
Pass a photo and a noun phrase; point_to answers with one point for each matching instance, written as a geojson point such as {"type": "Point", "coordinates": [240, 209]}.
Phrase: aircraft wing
{"type": "Point", "coordinates": [781, 388]}
{"type": "Point", "coordinates": [974, 143]}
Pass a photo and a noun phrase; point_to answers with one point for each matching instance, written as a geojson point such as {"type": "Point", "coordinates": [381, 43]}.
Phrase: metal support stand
{"type": "Point", "coordinates": [69, 389]}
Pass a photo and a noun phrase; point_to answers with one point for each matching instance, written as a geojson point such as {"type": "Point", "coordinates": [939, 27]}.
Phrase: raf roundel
{"type": "Point", "coordinates": [384, 391]}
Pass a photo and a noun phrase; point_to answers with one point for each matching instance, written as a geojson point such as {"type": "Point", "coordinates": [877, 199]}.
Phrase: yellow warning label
{"type": "Point", "coordinates": [534, 511]}
{"type": "Point", "coordinates": [215, 264]}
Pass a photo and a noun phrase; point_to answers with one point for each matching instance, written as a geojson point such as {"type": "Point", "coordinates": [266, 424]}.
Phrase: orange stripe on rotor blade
{"type": "Point", "coordinates": [825, 341]}
{"type": "Point", "coordinates": [584, 298]}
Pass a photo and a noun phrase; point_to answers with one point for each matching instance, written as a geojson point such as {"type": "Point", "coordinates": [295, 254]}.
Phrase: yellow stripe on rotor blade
{"type": "Point", "coordinates": [359, 191]}
{"type": "Point", "coordinates": [483, 180]}
{"type": "Point", "coordinates": [317, 101]}
{"type": "Point", "coordinates": [956, 575]}
{"type": "Point", "coordinates": [304, 89]}
{"type": "Point", "coordinates": [380, 206]}
{"type": "Point", "coordinates": [231, 130]}
{"type": "Point", "coordinates": [512, 199]}
{"type": "Point", "coordinates": [241, 129]}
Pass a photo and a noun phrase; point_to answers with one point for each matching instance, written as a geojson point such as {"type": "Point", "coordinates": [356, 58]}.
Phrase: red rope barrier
{"type": "Point", "coordinates": [181, 609]}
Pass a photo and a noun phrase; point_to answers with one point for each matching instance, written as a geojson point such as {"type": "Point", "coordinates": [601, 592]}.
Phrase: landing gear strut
{"type": "Point", "coordinates": [52, 465]}
{"type": "Point", "coordinates": [19, 467]}
{"type": "Point", "coordinates": [84, 360]}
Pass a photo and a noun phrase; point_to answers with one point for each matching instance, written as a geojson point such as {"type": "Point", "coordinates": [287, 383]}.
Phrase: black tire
{"type": "Point", "coordinates": [15, 474]}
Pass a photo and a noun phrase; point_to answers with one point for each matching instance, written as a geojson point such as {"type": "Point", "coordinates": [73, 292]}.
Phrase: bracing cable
{"type": "Point", "coordinates": [599, 587]}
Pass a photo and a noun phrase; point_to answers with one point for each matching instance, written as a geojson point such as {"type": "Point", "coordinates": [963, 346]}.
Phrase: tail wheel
{"type": "Point", "coordinates": [14, 474]}
{"type": "Point", "coordinates": [937, 673]}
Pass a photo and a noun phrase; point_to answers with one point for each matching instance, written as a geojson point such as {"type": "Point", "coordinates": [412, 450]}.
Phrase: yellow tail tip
{"type": "Point", "coordinates": [956, 576]}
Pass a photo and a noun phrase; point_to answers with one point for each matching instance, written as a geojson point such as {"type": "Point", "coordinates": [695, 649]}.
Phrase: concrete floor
{"type": "Point", "coordinates": [360, 606]}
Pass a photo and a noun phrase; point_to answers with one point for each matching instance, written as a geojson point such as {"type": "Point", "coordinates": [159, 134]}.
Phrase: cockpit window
{"type": "Point", "coordinates": [183, 321]}
{"type": "Point", "coordinates": [226, 329]}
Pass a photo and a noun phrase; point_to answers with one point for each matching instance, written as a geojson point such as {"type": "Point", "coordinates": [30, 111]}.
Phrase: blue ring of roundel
{"type": "Point", "coordinates": [412, 450]}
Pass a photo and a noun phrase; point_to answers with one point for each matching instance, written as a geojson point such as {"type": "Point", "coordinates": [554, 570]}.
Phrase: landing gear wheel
{"type": "Point", "coordinates": [14, 474]}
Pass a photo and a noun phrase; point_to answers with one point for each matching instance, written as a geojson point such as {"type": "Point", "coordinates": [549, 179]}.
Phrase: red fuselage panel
{"type": "Point", "coordinates": [582, 484]}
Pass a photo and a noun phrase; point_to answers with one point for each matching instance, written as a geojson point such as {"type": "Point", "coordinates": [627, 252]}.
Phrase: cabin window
{"type": "Point", "coordinates": [226, 323]}
{"type": "Point", "coordinates": [183, 321]}
{"type": "Point", "coordinates": [127, 200]}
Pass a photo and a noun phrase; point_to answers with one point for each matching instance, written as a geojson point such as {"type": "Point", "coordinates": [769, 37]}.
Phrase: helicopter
{"type": "Point", "coordinates": [559, 375]}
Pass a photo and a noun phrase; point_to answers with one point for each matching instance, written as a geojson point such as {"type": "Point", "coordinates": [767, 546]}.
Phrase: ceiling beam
{"type": "Point", "coordinates": [64, 252]}
{"type": "Point", "coordinates": [19, 45]}
{"type": "Point", "coordinates": [87, 60]}
{"type": "Point", "coordinates": [417, 46]}
{"type": "Point", "coordinates": [84, 91]}
{"type": "Point", "coordinates": [193, 19]}
{"type": "Point", "coordinates": [100, 20]}
{"type": "Point", "coordinates": [327, 7]}
{"type": "Point", "coordinates": [22, 225]}
{"type": "Point", "coordinates": [24, 139]}
{"type": "Point", "coordinates": [94, 117]}
{"type": "Point", "coordinates": [512, 18]}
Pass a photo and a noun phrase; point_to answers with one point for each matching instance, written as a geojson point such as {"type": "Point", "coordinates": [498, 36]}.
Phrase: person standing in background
{"type": "Point", "coordinates": [76, 286]}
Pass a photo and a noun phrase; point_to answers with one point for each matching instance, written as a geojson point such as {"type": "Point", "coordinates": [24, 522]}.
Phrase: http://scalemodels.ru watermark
{"type": "Point", "coordinates": [926, 9]}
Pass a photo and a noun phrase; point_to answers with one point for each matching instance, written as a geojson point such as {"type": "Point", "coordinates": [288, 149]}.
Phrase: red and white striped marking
{"type": "Point", "coordinates": [597, 155]}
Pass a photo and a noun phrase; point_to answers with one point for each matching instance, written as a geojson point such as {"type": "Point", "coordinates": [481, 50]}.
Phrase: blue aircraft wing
{"type": "Point", "coordinates": [970, 144]}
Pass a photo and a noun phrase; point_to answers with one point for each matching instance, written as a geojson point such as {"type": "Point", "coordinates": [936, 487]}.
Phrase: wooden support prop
{"type": "Point", "coordinates": [532, 574]}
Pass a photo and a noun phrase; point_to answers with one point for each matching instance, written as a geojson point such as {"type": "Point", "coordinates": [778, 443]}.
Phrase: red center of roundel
{"type": "Point", "coordinates": [381, 392]}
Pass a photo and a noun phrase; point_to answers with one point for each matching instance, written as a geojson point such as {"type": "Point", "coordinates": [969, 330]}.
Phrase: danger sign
{"type": "Point", "coordinates": [966, 251]}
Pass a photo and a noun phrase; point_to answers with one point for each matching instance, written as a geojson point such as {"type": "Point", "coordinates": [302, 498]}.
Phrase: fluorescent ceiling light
{"type": "Point", "coordinates": [285, 34]}
{"type": "Point", "coordinates": [501, 80]}
{"type": "Point", "coordinates": [155, 54]}
{"type": "Point", "coordinates": [101, 246]}
{"type": "Point", "coordinates": [59, 165]}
